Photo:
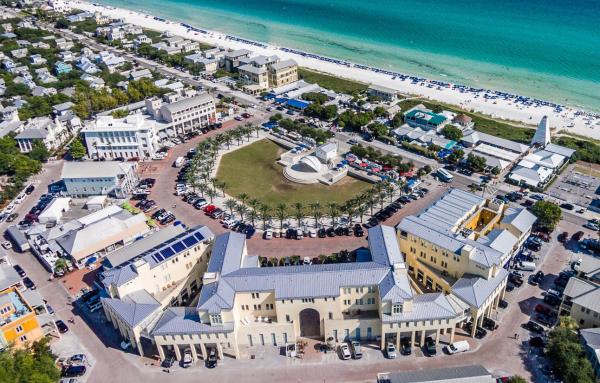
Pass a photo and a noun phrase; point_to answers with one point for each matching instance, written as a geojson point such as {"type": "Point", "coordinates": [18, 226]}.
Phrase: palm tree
{"type": "Point", "coordinates": [348, 209]}
{"type": "Point", "coordinates": [315, 207]}
{"type": "Point", "coordinates": [256, 129]}
{"type": "Point", "coordinates": [222, 185]}
{"type": "Point", "coordinates": [253, 203]}
{"type": "Point", "coordinates": [203, 187]}
{"type": "Point", "coordinates": [265, 214]}
{"type": "Point", "coordinates": [281, 212]}
{"type": "Point", "coordinates": [241, 209]}
{"type": "Point", "coordinates": [334, 211]}
{"type": "Point", "coordinates": [299, 207]}
{"type": "Point", "coordinates": [227, 137]}
{"type": "Point", "coordinates": [243, 198]}
{"type": "Point", "coordinates": [381, 198]}
{"type": "Point", "coordinates": [231, 204]}
{"type": "Point", "coordinates": [211, 194]}
{"type": "Point", "coordinates": [370, 202]}
{"type": "Point", "coordinates": [361, 210]}
{"type": "Point", "coordinates": [388, 189]}
{"type": "Point", "coordinates": [252, 215]}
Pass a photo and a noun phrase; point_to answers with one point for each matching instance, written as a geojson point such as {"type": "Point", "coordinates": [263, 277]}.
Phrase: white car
{"type": "Point", "coordinates": [269, 234]}
{"type": "Point", "coordinates": [591, 226]}
{"type": "Point", "coordinates": [187, 358]}
{"type": "Point", "coordinates": [307, 261]}
{"type": "Point", "coordinates": [312, 233]}
{"type": "Point", "coordinates": [345, 351]}
{"type": "Point", "coordinates": [7, 245]}
{"type": "Point", "coordinates": [390, 350]}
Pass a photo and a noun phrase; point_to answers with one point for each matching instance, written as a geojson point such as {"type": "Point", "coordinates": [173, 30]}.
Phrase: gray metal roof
{"type": "Point", "coordinates": [520, 218]}
{"type": "Point", "coordinates": [127, 253]}
{"type": "Point", "coordinates": [284, 64]}
{"type": "Point", "coordinates": [451, 208]}
{"type": "Point", "coordinates": [474, 290]}
{"type": "Point", "coordinates": [307, 281]}
{"type": "Point", "coordinates": [459, 374]}
{"type": "Point", "coordinates": [425, 307]}
{"type": "Point", "coordinates": [560, 150]}
{"type": "Point", "coordinates": [94, 169]}
{"type": "Point", "coordinates": [577, 287]}
{"type": "Point", "coordinates": [591, 337]}
{"type": "Point", "coordinates": [134, 308]}
{"type": "Point", "coordinates": [502, 143]}
{"type": "Point", "coordinates": [8, 276]}
{"type": "Point", "coordinates": [589, 266]}
{"type": "Point", "coordinates": [188, 103]}
{"type": "Point", "coordinates": [185, 320]}
{"type": "Point", "coordinates": [502, 240]}
{"type": "Point", "coordinates": [32, 134]}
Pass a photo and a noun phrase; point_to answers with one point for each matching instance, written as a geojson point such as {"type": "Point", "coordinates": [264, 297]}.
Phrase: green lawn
{"type": "Point", "coordinates": [330, 82]}
{"type": "Point", "coordinates": [253, 170]}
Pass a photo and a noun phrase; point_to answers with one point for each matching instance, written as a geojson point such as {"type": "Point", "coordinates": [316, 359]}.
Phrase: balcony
{"type": "Point", "coordinates": [360, 314]}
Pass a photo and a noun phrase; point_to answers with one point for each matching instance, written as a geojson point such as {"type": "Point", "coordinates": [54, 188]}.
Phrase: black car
{"type": "Point", "coordinates": [158, 213]}
{"type": "Point", "coordinates": [503, 304]}
{"type": "Point", "coordinates": [552, 300]}
{"type": "Point", "coordinates": [331, 232]}
{"type": "Point", "coordinates": [20, 271]}
{"type": "Point", "coordinates": [73, 371]}
{"type": "Point", "coordinates": [480, 333]}
{"type": "Point", "coordinates": [322, 233]}
{"type": "Point", "coordinates": [567, 206]}
{"type": "Point", "coordinates": [534, 327]}
{"type": "Point", "coordinates": [211, 360]}
{"type": "Point", "coordinates": [168, 362]}
{"type": "Point", "coordinates": [29, 189]}
{"type": "Point", "coordinates": [537, 278]}
{"type": "Point", "coordinates": [29, 283]}
{"type": "Point", "coordinates": [62, 327]}
{"type": "Point", "coordinates": [489, 324]}
{"type": "Point", "coordinates": [537, 341]}
{"type": "Point", "coordinates": [168, 219]}
{"type": "Point", "coordinates": [358, 231]}
{"type": "Point", "coordinates": [510, 287]}
{"type": "Point", "coordinates": [430, 348]}
{"type": "Point", "coordinates": [405, 347]}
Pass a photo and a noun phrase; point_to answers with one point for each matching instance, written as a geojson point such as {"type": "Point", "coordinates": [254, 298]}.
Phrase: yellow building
{"type": "Point", "coordinates": [18, 321]}
{"type": "Point", "coordinates": [283, 73]}
{"type": "Point", "coordinates": [461, 244]}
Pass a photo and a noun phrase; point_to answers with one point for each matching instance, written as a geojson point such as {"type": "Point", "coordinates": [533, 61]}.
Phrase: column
{"type": "Point", "coordinates": [412, 339]}
{"type": "Point", "coordinates": [503, 291]}
{"type": "Point", "coordinates": [422, 338]}
{"type": "Point", "coordinates": [161, 352]}
{"type": "Point", "coordinates": [138, 345]}
{"type": "Point", "coordinates": [194, 354]}
{"type": "Point", "coordinates": [437, 336]}
{"type": "Point", "coordinates": [236, 349]}
{"type": "Point", "coordinates": [177, 352]}
{"type": "Point", "coordinates": [219, 350]}
{"type": "Point", "coordinates": [383, 341]}
{"type": "Point", "coordinates": [474, 327]}
{"type": "Point", "coordinates": [480, 324]}
{"type": "Point", "coordinates": [398, 340]}
{"type": "Point", "coordinates": [203, 350]}
{"type": "Point", "coordinates": [452, 334]}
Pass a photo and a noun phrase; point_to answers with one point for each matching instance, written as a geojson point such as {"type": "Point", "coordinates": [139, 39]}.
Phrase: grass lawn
{"type": "Point", "coordinates": [330, 82]}
{"type": "Point", "coordinates": [253, 170]}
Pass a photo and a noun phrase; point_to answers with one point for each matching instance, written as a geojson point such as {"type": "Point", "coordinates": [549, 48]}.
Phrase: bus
{"type": "Point", "coordinates": [444, 176]}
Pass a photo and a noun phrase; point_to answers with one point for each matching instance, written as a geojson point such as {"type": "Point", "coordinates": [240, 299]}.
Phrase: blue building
{"type": "Point", "coordinates": [61, 68]}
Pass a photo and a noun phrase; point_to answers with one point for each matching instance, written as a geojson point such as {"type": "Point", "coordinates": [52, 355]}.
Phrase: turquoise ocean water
{"type": "Point", "coordinates": [548, 49]}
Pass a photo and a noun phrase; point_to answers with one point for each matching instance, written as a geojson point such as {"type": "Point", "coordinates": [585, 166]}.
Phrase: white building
{"type": "Point", "coordinates": [51, 133]}
{"type": "Point", "coordinates": [184, 115]}
{"type": "Point", "coordinates": [53, 213]}
{"type": "Point", "coordinates": [133, 136]}
{"type": "Point", "coordinates": [90, 178]}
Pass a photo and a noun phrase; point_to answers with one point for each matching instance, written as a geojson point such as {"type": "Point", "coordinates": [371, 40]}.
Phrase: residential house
{"type": "Point", "coordinates": [51, 133]}
{"type": "Point", "coordinates": [383, 92]}
{"type": "Point", "coordinates": [62, 68]}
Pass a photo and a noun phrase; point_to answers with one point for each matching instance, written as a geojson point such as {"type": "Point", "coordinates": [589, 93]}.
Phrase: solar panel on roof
{"type": "Point", "coordinates": [199, 236]}
{"type": "Point", "coordinates": [178, 247]}
{"type": "Point", "coordinates": [190, 241]}
{"type": "Point", "coordinates": [166, 253]}
{"type": "Point", "coordinates": [157, 257]}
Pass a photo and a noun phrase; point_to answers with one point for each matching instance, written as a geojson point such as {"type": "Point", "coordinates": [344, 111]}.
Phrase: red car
{"type": "Point", "coordinates": [543, 309]}
{"type": "Point", "coordinates": [209, 209]}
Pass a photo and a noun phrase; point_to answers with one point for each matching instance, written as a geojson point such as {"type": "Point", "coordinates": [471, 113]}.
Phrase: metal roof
{"type": "Point", "coordinates": [8, 276]}
{"type": "Point", "coordinates": [520, 218]}
{"type": "Point", "coordinates": [425, 307]}
{"type": "Point", "coordinates": [188, 103]}
{"type": "Point", "coordinates": [474, 290]}
{"type": "Point", "coordinates": [459, 374]}
{"type": "Point", "coordinates": [94, 169]}
{"type": "Point", "coordinates": [134, 308]}
{"type": "Point", "coordinates": [185, 320]}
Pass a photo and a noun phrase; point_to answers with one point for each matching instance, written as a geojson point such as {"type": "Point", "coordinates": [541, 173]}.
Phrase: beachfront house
{"type": "Point", "coordinates": [421, 117]}
{"type": "Point", "coordinates": [232, 59]}
{"type": "Point", "coordinates": [383, 92]}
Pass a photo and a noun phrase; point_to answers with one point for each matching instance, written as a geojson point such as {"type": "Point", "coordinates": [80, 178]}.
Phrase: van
{"type": "Point", "coordinates": [527, 266]}
{"type": "Point", "coordinates": [457, 347]}
{"type": "Point", "coordinates": [95, 307]}
{"type": "Point", "coordinates": [178, 162]}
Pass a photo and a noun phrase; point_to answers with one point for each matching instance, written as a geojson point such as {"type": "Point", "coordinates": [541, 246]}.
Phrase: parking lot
{"type": "Point", "coordinates": [576, 187]}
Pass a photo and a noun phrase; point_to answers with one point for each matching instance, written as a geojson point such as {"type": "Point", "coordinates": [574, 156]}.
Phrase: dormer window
{"type": "Point", "coordinates": [397, 308]}
{"type": "Point", "coordinates": [216, 319]}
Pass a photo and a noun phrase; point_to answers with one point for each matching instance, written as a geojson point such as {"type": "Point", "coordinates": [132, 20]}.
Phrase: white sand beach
{"type": "Point", "coordinates": [496, 104]}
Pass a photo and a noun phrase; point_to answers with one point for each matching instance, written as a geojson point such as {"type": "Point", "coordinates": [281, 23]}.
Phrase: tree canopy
{"type": "Point", "coordinates": [451, 132]}
{"type": "Point", "coordinates": [568, 357]}
{"type": "Point", "coordinates": [76, 149]}
{"type": "Point", "coordinates": [548, 214]}
{"type": "Point", "coordinates": [34, 364]}
{"type": "Point", "coordinates": [476, 163]}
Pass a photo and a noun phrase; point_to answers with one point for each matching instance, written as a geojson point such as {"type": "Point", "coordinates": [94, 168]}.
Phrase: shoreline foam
{"type": "Point", "coordinates": [496, 104]}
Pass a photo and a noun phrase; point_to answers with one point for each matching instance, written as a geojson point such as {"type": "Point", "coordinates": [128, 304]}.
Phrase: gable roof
{"type": "Point", "coordinates": [134, 308]}
{"type": "Point", "coordinates": [475, 290]}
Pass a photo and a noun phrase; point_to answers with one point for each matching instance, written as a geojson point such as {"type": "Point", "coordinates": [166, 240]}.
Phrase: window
{"type": "Point", "coordinates": [397, 308]}
{"type": "Point", "coordinates": [359, 301]}
{"type": "Point", "coordinates": [216, 319]}
{"type": "Point", "coordinates": [19, 329]}
{"type": "Point", "coordinates": [330, 315]}
{"type": "Point", "coordinates": [287, 317]}
{"type": "Point", "coordinates": [23, 338]}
